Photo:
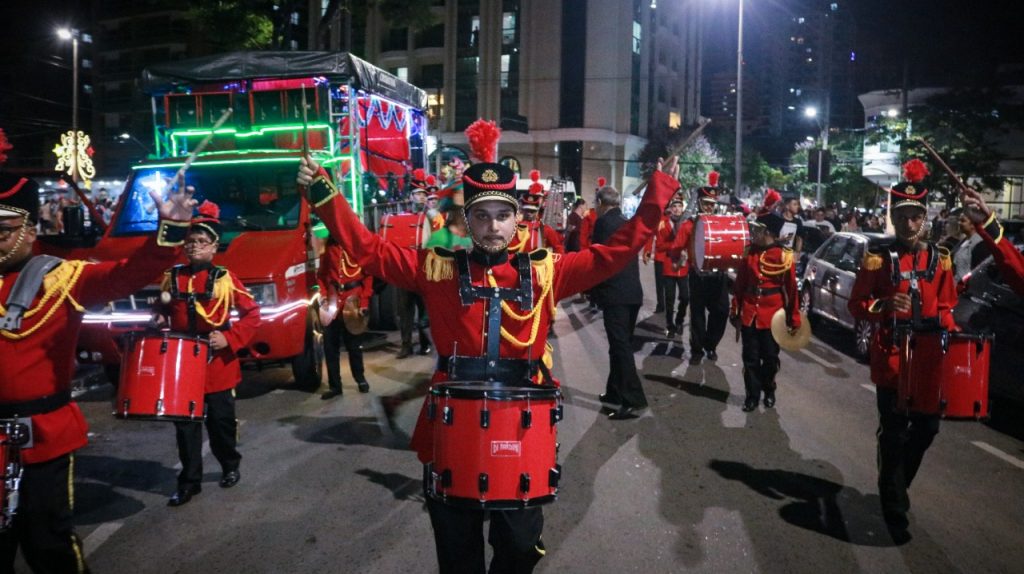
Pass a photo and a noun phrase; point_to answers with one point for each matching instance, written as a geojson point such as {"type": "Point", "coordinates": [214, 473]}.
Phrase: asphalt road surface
{"type": "Point", "coordinates": [693, 485]}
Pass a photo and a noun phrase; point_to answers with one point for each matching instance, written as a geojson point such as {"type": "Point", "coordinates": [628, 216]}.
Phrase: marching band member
{"type": "Point", "coordinates": [673, 240]}
{"type": "Point", "coordinates": [339, 278]}
{"type": "Point", "coordinates": [651, 251]}
{"type": "Point", "coordinates": [709, 296]}
{"type": "Point", "coordinates": [197, 298]}
{"type": "Point", "coordinates": [532, 233]}
{"type": "Point", "coordinates": [410, 305]}
{"type": "Point", "coordinates": [906, 285]}
{"type": "Point", "coordinates": [42, 302]}
{"type": "Point", "coordinates": [765, 283]}
{"type": "Point", "coordinates": [485, 320]}
{"type": "Point", "coordinates": [1005, 253]}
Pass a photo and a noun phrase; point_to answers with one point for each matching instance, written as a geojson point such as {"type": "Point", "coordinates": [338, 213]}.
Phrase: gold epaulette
{"type": "Point", "coordinates": [539, 254]}
{"type": "Point", "coordinates": [945, 259]}
{"type": "Point", "coordinates": [57, 286]}
{"type": "Point", "coordinates": [439, 265]}
{"type": "Point", "coordinates": [872, 261]}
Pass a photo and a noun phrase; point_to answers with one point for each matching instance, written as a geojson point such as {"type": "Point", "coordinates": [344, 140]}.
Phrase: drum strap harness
{"type": "Point", "coordinates": [470, 294]}
{"type": "Point", "coordinates": [191, 297]}
{"type": "Point", "coordinates": [25, 288]}
{"type": "Point", "coordinates": [917, 322]}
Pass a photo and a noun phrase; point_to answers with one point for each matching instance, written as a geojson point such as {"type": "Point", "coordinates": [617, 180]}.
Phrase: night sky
{"type": "Point", "coordinates": [947, 42]}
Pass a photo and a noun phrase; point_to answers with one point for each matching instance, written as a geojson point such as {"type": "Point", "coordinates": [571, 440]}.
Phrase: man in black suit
{"type": "Point", "coordinates": [620, 297]}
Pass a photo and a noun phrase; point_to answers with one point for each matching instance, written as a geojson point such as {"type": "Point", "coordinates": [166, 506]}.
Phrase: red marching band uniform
{"type": "Point", "coordinates": [340, 276]}
{"type": "Point", "coordinates": [37, 347]}
{"type": "Point", "coordinates": [490, 313]}
{"type": "Point", "coordinates": [924, 273]}
{"type": "Point", "coordinates": [534, 235]}
{"type": "Point", "coordinates": [1009, 259]}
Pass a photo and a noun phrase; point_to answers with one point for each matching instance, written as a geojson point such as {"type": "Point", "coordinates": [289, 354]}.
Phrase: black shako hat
{"type": "Point", "coordinates": [487, 180]}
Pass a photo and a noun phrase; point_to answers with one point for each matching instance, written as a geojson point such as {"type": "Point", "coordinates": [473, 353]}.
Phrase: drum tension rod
{"type": "Point", "coordinates": [554, 475]}
{"type": "Point", "coordinates": [556, 415]}
{"type": "Point", "coordinates": [524, 482]}
{"type": "Point", "coordinates": [482, 482]}
{"type": "Point", "coordinates": [527, 417]}
{"type": "Point", "coordinates": [485, 418]}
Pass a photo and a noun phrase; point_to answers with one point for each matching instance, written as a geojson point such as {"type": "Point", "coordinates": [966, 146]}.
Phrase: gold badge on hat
{"type": "Point", "coordinates": [490, 176]}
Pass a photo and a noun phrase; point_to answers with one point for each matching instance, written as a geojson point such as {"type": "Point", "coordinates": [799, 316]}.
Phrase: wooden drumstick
{"type": "Point", "coordinates": [935, 155]}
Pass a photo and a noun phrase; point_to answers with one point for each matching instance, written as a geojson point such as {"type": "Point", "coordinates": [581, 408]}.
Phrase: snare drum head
{"type": "Point", "coordinates": [493, 391]}
{"type": "Point", "coordinates": [698, 242]}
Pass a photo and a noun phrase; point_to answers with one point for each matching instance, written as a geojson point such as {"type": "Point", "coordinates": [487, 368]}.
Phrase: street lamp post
{"type": "Point", "coordinates": [72, 34]}
{"type": "Point", "coordinates": [812, 112]}
{"type": "Point", "coordinates": [739, 102]}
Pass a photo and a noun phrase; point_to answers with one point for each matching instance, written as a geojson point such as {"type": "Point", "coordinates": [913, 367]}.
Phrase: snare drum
{"type": "Point", "coordinates": [719, 241]}
{"type": "Point", "coordinates": [944, 373]}
{"type": "Point", "coordinates": [406, 229]}
{"type": "Point", "coordinates": [12, 436]}
{"type": "Point", "coordinates": [163, 377]}
{"type": "Point", "coordinates": [494, 445]}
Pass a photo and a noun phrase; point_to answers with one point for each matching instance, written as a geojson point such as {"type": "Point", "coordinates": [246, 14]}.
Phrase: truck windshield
{"type": "Point", "coordinates": [251, 196]}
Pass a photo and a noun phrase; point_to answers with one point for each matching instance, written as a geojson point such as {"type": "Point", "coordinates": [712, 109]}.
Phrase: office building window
{"type": "Point", "coordinates": [432, 37]}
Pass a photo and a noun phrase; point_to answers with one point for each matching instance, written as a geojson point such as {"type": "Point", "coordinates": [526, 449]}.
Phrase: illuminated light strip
{"type": "Point", "coordinates": [265, 313]}
{"type": "Point", "coordinates": [253, 133]}
{"type": "Point", "coordinates": [222, 162]}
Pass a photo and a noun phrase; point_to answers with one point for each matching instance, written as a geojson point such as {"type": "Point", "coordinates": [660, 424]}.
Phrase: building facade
{"type": "Point", "coordinates": [576, 85]}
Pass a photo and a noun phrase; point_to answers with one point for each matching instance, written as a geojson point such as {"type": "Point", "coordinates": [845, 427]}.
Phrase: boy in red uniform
{"type": "Point", "coordinates": [197, 300]}
{"type": "Point", "coordinates": [673, 240]}
{"type": "Point", "coordinates": [339, 279]}
{"type": "Point", "coordinates": [906, 285]}
{"type": "Point", "coordinates": [490, 312]}
{"type": "Point", "coordinates": [765, 283]}
{"type": "Point", "coordinates": [42, 302]}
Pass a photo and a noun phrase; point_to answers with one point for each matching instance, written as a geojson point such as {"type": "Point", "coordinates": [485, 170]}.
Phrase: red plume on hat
{"type": "Point", "coordinates": [431, 181]}
{"type": "Point", "coordinates": [713, 179]}
{"type": "Point", "coordinates": [536, 188]}
{"type": "Point", "coordinates": [914, 171]}
{"type": "Point", "coordinates": [5, 146]}
{"type": "Point", "coordinates": [910, 191]}
{"type": "Point", "coordinates": [601, 182]}
{"type": "Point", "coordinates": [483, 138]}
{"type": "Point", "coordinates": [208, 211]}
{"type": "Point", "coordinates": [771, 198]}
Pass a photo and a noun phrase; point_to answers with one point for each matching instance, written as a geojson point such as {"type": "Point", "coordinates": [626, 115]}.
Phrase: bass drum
{"type": "Point", "coordinates": [719, 242]}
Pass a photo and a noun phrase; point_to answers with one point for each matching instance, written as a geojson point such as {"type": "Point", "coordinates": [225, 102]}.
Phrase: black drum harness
{"type": "Point", "coordinates": [916, 322]}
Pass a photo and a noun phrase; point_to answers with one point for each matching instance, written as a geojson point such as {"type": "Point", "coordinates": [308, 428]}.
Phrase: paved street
{"type": "Point", "coordinates": [694, 485]}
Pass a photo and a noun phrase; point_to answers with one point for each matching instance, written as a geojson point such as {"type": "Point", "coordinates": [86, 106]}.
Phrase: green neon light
{"type": "Point", "coordinates": [255, 132]}
{"type": "Point", "coordinates": [222, 162]}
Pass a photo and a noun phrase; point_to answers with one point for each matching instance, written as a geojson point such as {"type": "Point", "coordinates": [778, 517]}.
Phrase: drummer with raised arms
{"type": "Point", "coordinates": [904, 286]}
{"type": "Point", "coordinates": [490, 313]}
{"type": "Point", "coordinates": [197, 299]}
{"type": "Point", "coordinates": [42, 302]}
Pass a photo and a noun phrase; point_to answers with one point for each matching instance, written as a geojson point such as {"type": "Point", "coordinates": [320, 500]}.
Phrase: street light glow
{"type": "Point", "coordinates": [811, 112]}
{"type": "Point", "coordinates": [125, 136]}
{"type": "Point", "coordinates": [64, 33]}
{"type": "Point", "coordinates": [892, 112]}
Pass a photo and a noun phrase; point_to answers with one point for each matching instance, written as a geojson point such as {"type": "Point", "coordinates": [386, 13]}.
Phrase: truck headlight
{"type": "Point", "coordinates": [265, 294]}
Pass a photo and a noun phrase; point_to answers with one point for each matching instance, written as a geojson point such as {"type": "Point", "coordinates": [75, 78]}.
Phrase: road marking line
{"type": "Point", "coordinates": [998, 453]}
{"type": "Point", "coordinates": [96, 539]}
{"type": "Point", "coordinates": [818, 359]}
{"type": "Point", "coordinates": [869, 387]}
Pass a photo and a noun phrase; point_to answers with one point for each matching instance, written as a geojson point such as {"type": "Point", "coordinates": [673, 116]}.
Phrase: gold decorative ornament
{"type": "Point", "coordinates": [490, 176]}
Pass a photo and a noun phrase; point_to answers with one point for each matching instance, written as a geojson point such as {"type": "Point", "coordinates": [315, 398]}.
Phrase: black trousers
{"type": "Point", "coordinates": [43, 524]}
{"type": "Point", "coordinates": [675, 315]}
{"type": "Point", "coordinates": [902, 442]}
{"type": "Point", "coordinates": [659, 284]}
{"type": "Point", "coordinates": [412, 311]}
{"type": "Point", "coordinates": [709, 310]}
{"type": "Point", "coordinates": [334, 335]}
{"type": "Point", "coordinates": [458, 537]}
{"type": "Point", "coordinates": [222, 426]}
{"type": "Point", "coordinates": [623, 385]}
{"type": "Point", "coordinates": [760, 360]}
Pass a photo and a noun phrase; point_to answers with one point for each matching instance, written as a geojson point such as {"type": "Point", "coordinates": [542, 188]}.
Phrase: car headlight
{"type": "Point", "coordinates": [265, 294]}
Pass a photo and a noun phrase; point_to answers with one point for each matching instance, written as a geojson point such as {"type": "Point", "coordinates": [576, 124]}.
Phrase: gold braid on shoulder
{"type": "Point", "coordinates": [347, 267]}
{"type": "Point", "coordinates": [57, 286]}
{"type": "Point", "coordinates": [223, 299]}
{"type": "Point", "coordinates": [772, 269]}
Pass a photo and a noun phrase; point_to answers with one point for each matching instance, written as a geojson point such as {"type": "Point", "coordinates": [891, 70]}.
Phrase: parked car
{"type": "Point", "coordinates": [827, 281]}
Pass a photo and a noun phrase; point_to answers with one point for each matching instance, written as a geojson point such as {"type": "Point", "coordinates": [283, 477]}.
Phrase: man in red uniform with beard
{"type": "Point", "coordinates": [198, 298]}
{"type": "Point", "coordinates": [907, 285]}
{"type": "Point", "coordinates": [490, 312]}
{"type": "Point", "coordinates": [42, 301]}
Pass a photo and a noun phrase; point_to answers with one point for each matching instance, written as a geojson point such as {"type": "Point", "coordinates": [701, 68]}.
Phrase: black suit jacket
{"type": "Point", "coordinates": [624, 287]}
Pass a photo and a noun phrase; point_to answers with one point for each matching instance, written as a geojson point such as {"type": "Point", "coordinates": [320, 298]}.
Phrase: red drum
{"type": "Point", "coordinates": [719, 241]}
{"type": "Point", "coordinates": [494, 445]}
{"type": "Point", "coordinates": [163, 377]}
{"type": "Point", "coordinates": [406, 229]}
{"type": "Point", "coordinates": [944, 373]}
{"type": "Point", "coordinates": [12, 436]}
